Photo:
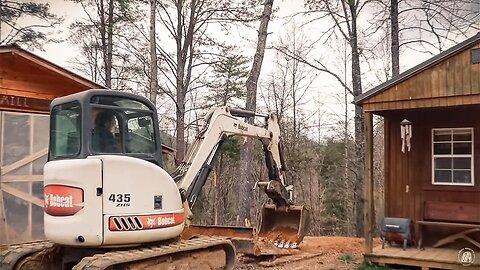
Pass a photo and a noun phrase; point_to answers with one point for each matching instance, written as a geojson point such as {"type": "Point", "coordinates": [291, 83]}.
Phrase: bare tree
{"type": "Point", "coordinates": [345, 15]}
{"type": "Point", "coordinates": [153, 53]}
{"type": "Point", "coordinates": [188, 26]}
{"type": "Point", "coordinates": [424, 25]}
{"type": "Point", "coordinates": [102, 26]}
{"type": "Point", "coordinates": [32, 35]}
{"type": "Point", "coordinates": [245, 201]}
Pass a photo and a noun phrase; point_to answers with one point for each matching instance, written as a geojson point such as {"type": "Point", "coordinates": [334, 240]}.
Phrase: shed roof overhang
{"type": "Point", "coordinates": [447, 79]}
{"type": "Point", "coordinates": [29, 82]}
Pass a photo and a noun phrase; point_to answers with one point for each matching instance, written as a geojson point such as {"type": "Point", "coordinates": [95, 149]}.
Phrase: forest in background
{"type": "Point", "coordinates": [189, 55]}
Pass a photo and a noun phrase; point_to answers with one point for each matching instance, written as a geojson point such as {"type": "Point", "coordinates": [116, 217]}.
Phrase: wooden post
{"type": "Point", "coordinates": [369, 203]}
{"type": "Point", "coordinates": [3, 225]}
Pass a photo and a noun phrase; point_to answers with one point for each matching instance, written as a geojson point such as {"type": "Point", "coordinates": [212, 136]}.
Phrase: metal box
{"type": "Point", "coordinates": [397, 230]}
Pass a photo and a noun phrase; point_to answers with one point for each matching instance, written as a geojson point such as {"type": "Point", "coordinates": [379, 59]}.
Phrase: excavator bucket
{"type": "Point", "coordinates": [283, 229]}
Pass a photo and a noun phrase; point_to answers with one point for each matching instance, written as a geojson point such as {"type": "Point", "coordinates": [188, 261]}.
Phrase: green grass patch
{"type": "Point", "coordinates": [346, 258]}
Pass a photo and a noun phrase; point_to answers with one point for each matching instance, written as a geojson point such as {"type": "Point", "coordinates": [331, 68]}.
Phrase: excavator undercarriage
{"type": "Point", "coordinates": [207, 253]}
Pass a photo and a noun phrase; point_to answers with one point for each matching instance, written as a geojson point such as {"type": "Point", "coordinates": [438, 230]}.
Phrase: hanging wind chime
{"type": "Point", "coordinates": [406, 134]}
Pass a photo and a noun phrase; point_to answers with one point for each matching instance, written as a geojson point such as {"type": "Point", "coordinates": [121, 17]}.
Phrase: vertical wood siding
{"type": "Point", "coordinates": [414, 168]}
{"type": "Point", "coordinates": [454, 81]}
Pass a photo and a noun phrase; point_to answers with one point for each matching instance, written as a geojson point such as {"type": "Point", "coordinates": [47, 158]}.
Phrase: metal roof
{"type": "Point", "coordinates": [417, 69]}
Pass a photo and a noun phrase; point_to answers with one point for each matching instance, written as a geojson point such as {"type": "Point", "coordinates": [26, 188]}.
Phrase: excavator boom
{"type": "Point", "coordinates": [282, 224]}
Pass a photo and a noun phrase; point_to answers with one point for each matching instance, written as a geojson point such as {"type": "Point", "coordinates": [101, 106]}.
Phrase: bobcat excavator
{"type": "Point", "coordinates": [109, 204]}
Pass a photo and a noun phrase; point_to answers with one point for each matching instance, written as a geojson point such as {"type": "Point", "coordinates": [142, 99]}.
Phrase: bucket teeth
{"type": "Point", "coordinates": [285, 244]}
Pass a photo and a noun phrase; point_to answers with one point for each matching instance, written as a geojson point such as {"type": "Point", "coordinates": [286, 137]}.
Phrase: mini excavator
{"type": "Point", "coordinates": [109, 204]}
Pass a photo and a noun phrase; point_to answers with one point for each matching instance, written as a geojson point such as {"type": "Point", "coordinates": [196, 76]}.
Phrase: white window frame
{"type": "Point", "coordinates": [471, 156]}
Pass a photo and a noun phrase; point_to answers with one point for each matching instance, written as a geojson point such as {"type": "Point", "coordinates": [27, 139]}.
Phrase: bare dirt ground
{"type": "Point", "coordinates": [316, 253]}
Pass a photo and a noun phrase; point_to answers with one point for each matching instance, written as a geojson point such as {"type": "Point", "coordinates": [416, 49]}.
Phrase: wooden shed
{"type": "Point", "coordinates": [431, 116]}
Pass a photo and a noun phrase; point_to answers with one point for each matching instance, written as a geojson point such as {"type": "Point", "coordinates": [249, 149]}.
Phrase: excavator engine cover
{"type": "Point", "coordinates": [284, 228]}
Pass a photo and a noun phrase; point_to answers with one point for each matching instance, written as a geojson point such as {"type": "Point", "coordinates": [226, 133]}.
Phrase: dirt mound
{"type": "Point", "coordinates": [315, 253]}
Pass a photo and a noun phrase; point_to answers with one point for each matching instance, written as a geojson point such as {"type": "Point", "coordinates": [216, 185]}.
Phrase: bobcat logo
{"type": "Point", "coordinates": [151, 222]}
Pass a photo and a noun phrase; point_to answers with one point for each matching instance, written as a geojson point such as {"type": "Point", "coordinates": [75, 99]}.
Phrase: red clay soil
{"type": "Point", "coordinates": [280, 234]}
{"type": "Point", "coordinates": [320, 253]}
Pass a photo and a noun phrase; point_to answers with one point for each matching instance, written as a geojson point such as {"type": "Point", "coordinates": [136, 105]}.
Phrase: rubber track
{"type": "Point", "coordinates": [105, 260]}
{"type": "Point", "coordinates": [10, 256]}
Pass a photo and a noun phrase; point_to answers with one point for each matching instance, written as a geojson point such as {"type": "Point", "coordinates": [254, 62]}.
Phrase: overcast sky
{"type": "Point", "coordinates": [324, 91]}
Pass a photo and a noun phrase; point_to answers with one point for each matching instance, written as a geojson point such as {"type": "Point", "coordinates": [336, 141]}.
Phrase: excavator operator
{"type": "Point", "coordinates": [103, 140]}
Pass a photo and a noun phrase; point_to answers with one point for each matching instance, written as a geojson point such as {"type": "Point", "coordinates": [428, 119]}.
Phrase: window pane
{"type": "Point", "coordinates": [118, 101]}
{"type": "Point", "coordinates": [462, 176]}
{"type": "Point", "coordinates": [443, 176]}
{"type": "Point", "coordinates": [16, 137]}
{"type": "Point", "coordinates": [443, 163]}
{"type": "Point", "coordinates": [140, 135]}
{"type": "Point", "coordinates": [65, 130]}
{"type": "Point", "coordinates": [442, 148]}
{"type": "Point", "coordinates": [462, 163]}
{"type": "Point", "coordinates": [462, 148]}
{"type": "Point", "coordinates": [462, 134]}
{"type": "Point", "coordinates": [442, 135]}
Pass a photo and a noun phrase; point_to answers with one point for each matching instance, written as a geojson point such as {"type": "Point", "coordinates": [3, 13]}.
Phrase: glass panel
{"type": "Point", "coordinates": [443, 163]}
{"type": "Point", "coordinates": [16, 215]}
{"type": "Point", "coordinates": [21, 186]}
{"type": "Point", "coordinates": [66, 130]}
{"type": "Point", "coordinates": [119, 101]}
{"type": "Point", "coordinates": [442, 135]}
{"type": "Point", "coordinates": [462, 176]}
{"type": "Point", "coordinates": [442, 148]}
{"type": "Point", "coordinates": [462, 163]}
{"type": "Point", "coordinates": [140, 135]}
{"type": "Point", "coordinates": [462, 148]}
{"type": "Point", "coordinates": [23, 170]}
{"type": "Point", "coordinates": [41, 127]}
{"type": "Point", "coordinates": [37, 221]}
{"type": "Point", "coordinates": [23, 134]}
{"type": "Point", "coordinates": [16, 137]}
{"type": "Point", "coordinates": [37, 189]}
{"type": "Point", "coordinates": [106, 132]}
{"type": "Point", "coordinates": [443, 176]}
{"type": "Point", "coordinates": [38, 166]}
{"type": "Point", "coordinates": [462, 135]}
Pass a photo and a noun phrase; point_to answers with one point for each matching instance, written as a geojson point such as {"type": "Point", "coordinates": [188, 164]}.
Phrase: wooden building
{"type": "Point", "coordinates": [432, 173]}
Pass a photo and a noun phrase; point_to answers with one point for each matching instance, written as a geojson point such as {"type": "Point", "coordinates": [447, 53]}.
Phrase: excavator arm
{"type": "Point", "coordinates": [281, 222]}
{"type": "Point", "coordinates": [221, 123]}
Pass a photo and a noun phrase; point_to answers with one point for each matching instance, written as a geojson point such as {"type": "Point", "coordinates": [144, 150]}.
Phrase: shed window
{"type": "Point", "coordinates": [452, 156]}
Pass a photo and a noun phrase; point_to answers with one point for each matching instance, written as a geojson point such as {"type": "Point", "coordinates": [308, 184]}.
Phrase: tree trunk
{"type": "Point", "coordinates": [103, 38]}
{"type": "Point", "coordinates": [108, 61]}
{"type": "Point", "coordinates": [395, 46]}
{"type": "Point", "coordinates": [153, 54]}
{"type": "Point", "coordinates": [359, 133]}
{"type": "Point", "coordinates": [181, 91]}
{"type": "Point", "coordinates": [246, 153]}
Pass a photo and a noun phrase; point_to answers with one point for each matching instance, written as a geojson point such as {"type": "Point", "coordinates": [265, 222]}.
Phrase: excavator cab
{"type": "Point", "coordinates": [100, 122]}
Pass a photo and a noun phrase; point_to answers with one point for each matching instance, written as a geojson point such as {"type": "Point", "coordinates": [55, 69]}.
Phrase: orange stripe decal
{"type": "Point", "coordinates": [145, 222]}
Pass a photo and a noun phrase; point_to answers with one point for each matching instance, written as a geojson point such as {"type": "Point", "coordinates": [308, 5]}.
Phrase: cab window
{"type": "Point", "coordinates": [66, 129]}
{"type": "Point", "coordinates": [140, 135]}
